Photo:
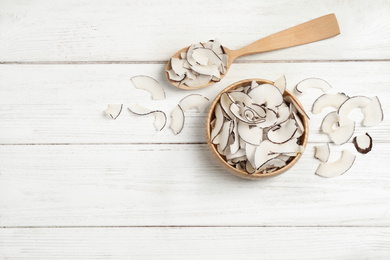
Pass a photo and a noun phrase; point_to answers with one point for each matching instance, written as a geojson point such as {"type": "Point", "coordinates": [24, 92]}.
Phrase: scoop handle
{"type": "Point", "coordinates": [318, 29]}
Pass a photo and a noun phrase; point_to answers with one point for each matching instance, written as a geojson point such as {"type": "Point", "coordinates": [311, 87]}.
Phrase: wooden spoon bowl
{"type": "Point", "coordinates": [222, 160]}
{"type": "Point", "coordinates": [315, 30]}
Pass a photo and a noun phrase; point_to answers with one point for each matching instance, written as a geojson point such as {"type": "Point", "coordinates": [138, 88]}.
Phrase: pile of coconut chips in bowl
{"type": "Point", "coordinates": [256, 128]}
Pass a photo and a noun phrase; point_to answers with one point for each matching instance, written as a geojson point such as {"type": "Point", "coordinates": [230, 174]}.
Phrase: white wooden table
{"type": "Point", "coordinates": [75, 184]}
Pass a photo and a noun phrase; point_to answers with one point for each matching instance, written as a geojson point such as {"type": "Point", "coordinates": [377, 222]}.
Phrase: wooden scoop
{"type": "Point", "coordinates": [318, 29]}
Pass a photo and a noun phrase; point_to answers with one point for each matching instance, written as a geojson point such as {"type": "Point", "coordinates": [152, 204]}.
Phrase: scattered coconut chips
{"type": "Point", "coordinates": [256, 129]}
{"type": "Point", "coordinates": [202, 63]}
{"type": "Point", "coordinates": [339, 127]}
{"type": "Point", "coordinates": [192, 101]}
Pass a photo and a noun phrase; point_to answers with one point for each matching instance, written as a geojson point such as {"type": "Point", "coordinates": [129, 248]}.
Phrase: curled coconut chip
{"type": "Point", "coordinates": [322, 152]}
{"type": "Point", "coordinates": [363, 143]}
{"type": "Point", "coordinates": [338, 167]}
{"type": "Point", "coordinates": [193, 101]}
{"type": "Point", "coordinates": [350, 104]}
{"type": "Point", "coordinates": [256, 129]}
{"type": "Point", "coordinates": [339, 132]}
{"type": "Point", "coordinates": [373, 113]}
{"type": "Point", "coordinates": [312, 83]}
{"type": "Point", "coordinates": [160, 118]}
{"type": "Point", "coordinates": [149, 84]}
{"type": "Point", "coordinates": [328, 100]}
{"type": "Point", "coordinates": [177, 122]}
{"type": "Point", "coordinates": [281, 84]}
{"type": "Point", "coordinates": [201, 64]}
{"type": "Point", "coordinates": [114, 110]}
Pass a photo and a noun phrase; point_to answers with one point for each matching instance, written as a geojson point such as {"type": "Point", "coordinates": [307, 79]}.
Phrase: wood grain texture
{"type": "Point", "coordinates": [65, 103]}
{"type": "Point", "coordinates": [318, 29]}
{"type": "Point", "coordinates": [195, 243]}
{"type": "Point", "coordinates": [138, 31]}
{"type": "Point", "coordinates": [75, 184]}
{"type": "Point", "coordinates": [126, 185]}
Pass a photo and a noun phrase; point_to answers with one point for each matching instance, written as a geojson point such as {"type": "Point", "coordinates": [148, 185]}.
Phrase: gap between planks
{"type": "Point", "coordinates": [191, 226]}
{"type": "Point", "coordinates": [164, 62]}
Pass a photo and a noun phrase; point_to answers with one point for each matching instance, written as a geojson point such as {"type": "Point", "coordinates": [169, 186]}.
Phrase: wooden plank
{"type": "Point", "coordinates": [126, 185]}
{"type": "Point", "coordinates": [195, 243]}
{"type": "Point", "coordinates": [64, 103]}
{"type": "Point", "coordinates": [134, 31]}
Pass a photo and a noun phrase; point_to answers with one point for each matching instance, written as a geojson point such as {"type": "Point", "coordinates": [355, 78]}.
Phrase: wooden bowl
{"type": "Point", "coordinates": [220, 158]}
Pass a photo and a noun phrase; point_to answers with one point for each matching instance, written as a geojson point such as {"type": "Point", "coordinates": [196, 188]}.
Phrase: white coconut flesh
{"type": "Point", "coordinates": [267, 95]}
{"type": "Point", "coordinates": [273, 163]}
{"type": "Point", "coordinates": [237, 156]}
{"type": "Point", "coordinates": [312, 83]}
{"type": "Point", "coordinates": [363, 143]}
{"type": "Point", "coordinates": [246, 114]}
{"type": "Point", "coordinates": [282, 133]}
{"type": "Point", "coordinates": [373, 113]}
{"type": "Point", "coordinates": [328, 100]}
{"type": "Point", "coordinates": [299, 123]}
{"type": "Point", "coordinates": [160, 119]}
{"type": "Point", "coordinates": [149, 84]}
{"type": "Point", "coordinates": [250, 151]}
{"type": "Point", "coordinates": [114, 110]}
{"type": "Point", "coordinates": [194, 101]}
{"type": "Point", "coordinates": [250, 134]}
{"type": "Point", "coordinates": [351, 104]}
{"type": "Point", "coordinates": [284, 112]}
{"type": "Point", "coordinates": [235, 144]}
{"type": "Point", "coordinates": [337, 132]}
{"type": "Point", "coordinates": [223, 137]}
{"type": "Point", "coordinates": [177, 120]}
{"type": "Point", "coordinates": [239, 97]}
{"type": "Point", "coordinates": [253, 137]}
{"type": "Point", "coordinates": [173, 76]}
{"type": "Point", "coordinates": [219, 119]}
{"type": "Point", "coordinates": [225, 102]}
{"type": "Point", "coordinates": [295, 106]}
{"type": "Point", "coordinates": [199, 80]}
{"type": "Point", "coordinates": [178, 66]}
{"type": "Point", "coordinates": [338, 167]}
{"type": "Point", "coordinates": [281, 84]}
{"type": "Point", "coordinates": [198, 66]}
{"type": "Point", "coordinates": [322, 152]}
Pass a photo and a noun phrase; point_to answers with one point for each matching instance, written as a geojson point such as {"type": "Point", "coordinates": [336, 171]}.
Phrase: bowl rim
{"type": "Point", "coordinates": [220, 158]}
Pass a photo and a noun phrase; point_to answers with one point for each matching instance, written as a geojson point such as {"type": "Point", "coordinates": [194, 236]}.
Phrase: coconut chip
{"type": "Point", "coordinates": [192, 101]}
{"type": "Point", "coordinates": [177, 122]}
{"type": "Point", "coordinates": [114, 110]}
{"type": "Point", "coordinates": [160, 119]}
{"type": "Point", "coordinates": [338, 167]}
{"type": "Point", "coordinates": [312, 83]}
{"type": "Point", "coordinates": [322, 152]}
{"type": "Point", "coordinates": [363, 143]}
{"type": "Point", "coordinates": [149, 84]}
